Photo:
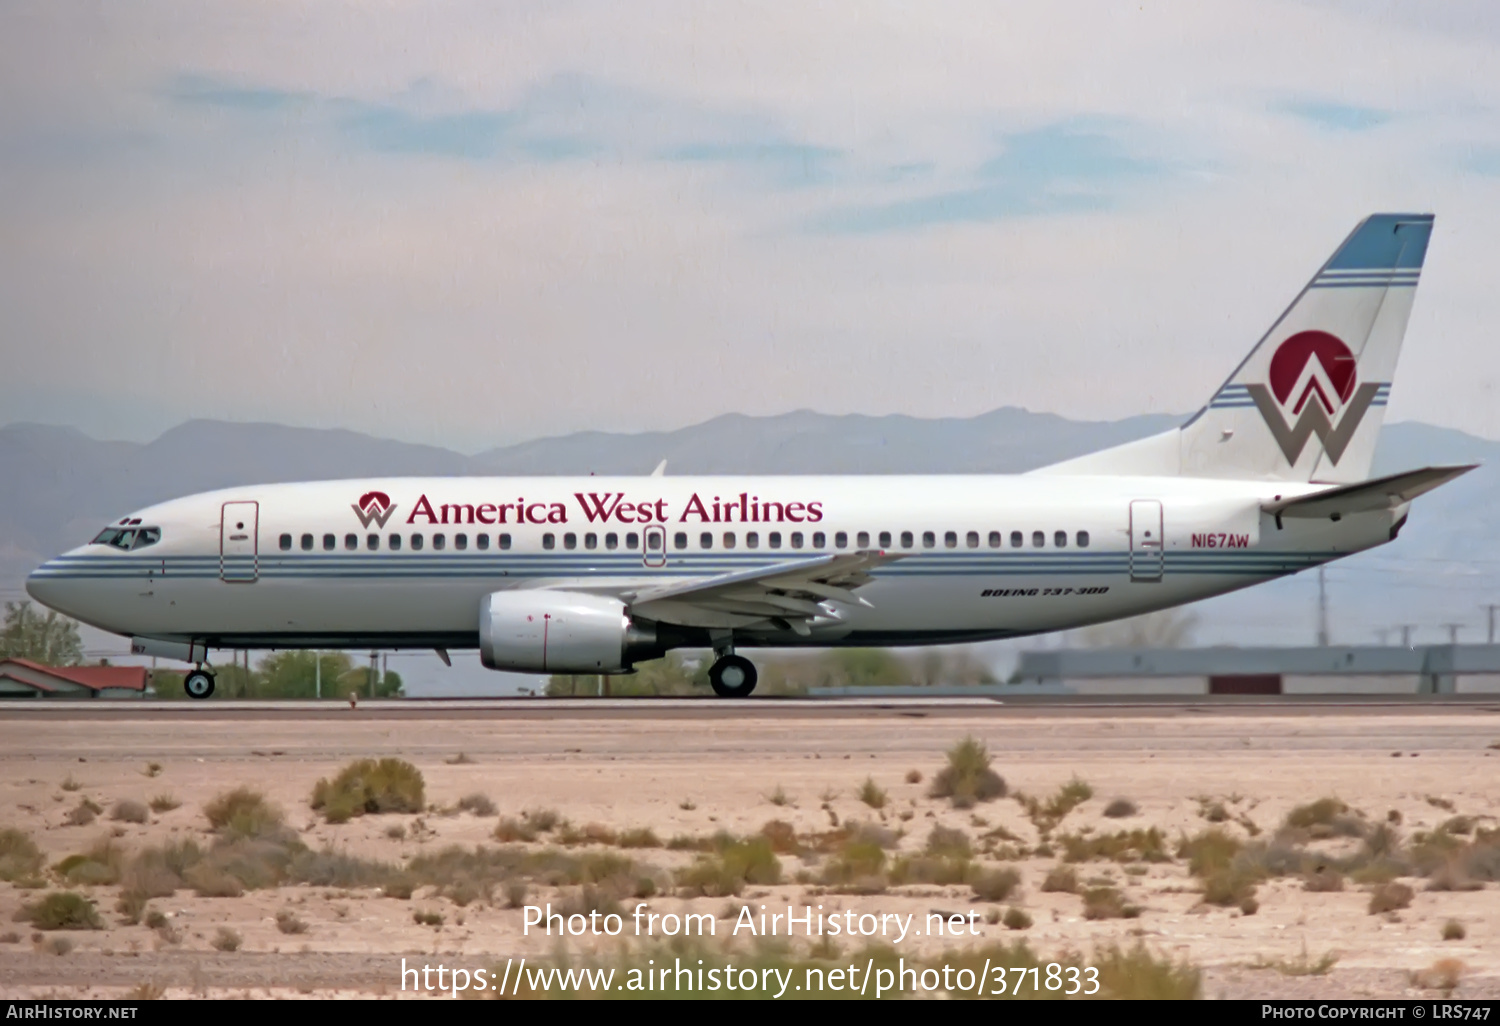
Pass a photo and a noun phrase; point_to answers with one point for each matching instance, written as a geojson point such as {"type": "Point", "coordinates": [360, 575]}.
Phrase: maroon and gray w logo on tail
{"type": "Point", "coordinates": [374, 508]}
{"type": "Point", "coordinates": [1312, 382]}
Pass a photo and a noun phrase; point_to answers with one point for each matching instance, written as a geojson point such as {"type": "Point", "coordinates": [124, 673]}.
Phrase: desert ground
{"type": "Point", "coordinates": [651, 786]}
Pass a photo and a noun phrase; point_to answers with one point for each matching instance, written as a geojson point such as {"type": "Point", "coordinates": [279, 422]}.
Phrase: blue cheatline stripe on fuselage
{"type": "Point", "coordinates": [376, 566]}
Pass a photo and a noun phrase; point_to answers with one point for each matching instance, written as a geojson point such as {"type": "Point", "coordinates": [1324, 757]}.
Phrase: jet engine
{"type": "Point", "coordinates": [561, 632]}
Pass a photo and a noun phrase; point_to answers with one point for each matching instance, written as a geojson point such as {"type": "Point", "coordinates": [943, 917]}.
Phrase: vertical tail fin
{"type": "Point", "coordinates": [1308, 402]}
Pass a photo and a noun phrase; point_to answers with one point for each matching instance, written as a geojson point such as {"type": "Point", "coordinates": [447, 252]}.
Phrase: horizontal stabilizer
{"type": "Point", "coordinates": [1368, 496]}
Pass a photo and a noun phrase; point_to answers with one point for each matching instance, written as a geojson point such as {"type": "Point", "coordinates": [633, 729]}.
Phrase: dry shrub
{"type": "Point", "coordinates": [369, 787]}
{"type": "Point", "coordinates": [226, 940]}
{"type": "Point", "coordinates": [128, 811]}
{"type": "Point", "coordinates": [913, 776]}
{"type": "Point", "coordinates": [871, 794]}
{"type": "Point", "coordinates": [69, 784]}
{"type": "Point", "coordinates": [20, 858]}
{"type": "Point", "coordinates": [512, 830]}
{"type": "Point", "coordinates": [943, 870]}
{"type": "Point", "coordinates": [243, 812]}
{"type": "Point", "coordinates": [858, 868]}
{"type": "Point", "coordinates": [994, 884]}
{"type": "Point", "coordinates": [101, 865]}
{"type": "Point", "coordinates": [1107, 903]}
{"type": "Point", "coordinates": [62, 910]}
{"type": "Point", "coordinates": [1121, 808]}
{"type": "Point", "coordinates": [1453, 876]}
{"type": "Point", "coordinates": [1138, 973]}
{"type": "Point", "coordinates": [1061, 879]}
{"type": "Point", "coordinates": [1443, 975]}
{"type": "Point", "coordinates": [1389, 897]}
{"type": "Point", "coordinates": [1148, 845]}
{"type": "Point", "coordinates": [83, 813]}
{"type": "Point", "coordinates": [781, 836]}
{"type": "Point", "coordinates": [950, 842]}
{"type": "Point", "coordinates": [163, 803]}
{"type": "Point", "coordinates": [1302, 965]}
{"type": "Point", "coordinates": [638, 837]}
{"type": "Point", "coordinates": [1454, 930]}
{"type": "Point", "coordinates": [477, 804]}
{"type": "Point", "coordinates": [209, 881]}
{"type": "Point", "coordinates": [967, 778]}
{"type": "Point", "coordinates": [1326, 817]}
{"type": "Point", "coordinates": [541, 820]}
{"type": "Point", "coordinates": [59, 945]}
{"type": "Point", "coordinates": [423, 917]}
{"type": "Point", "coordinates": [287, 922]}
{"type": "Point", "coordinates": [1016, 919]}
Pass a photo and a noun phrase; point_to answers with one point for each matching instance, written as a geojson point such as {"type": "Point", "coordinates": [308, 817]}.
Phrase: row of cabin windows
{"type": "Point", "coordinates": [681, 540]}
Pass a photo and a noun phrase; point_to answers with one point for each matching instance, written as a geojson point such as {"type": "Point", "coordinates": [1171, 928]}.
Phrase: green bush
{"type": "Point", "coordinates": [994, 884]}
{"type": "Point", "coordinates": [243, 812]}
{"type": "Point", "coordinates": [20, 858]}
{"type": "Point", "coordinates": [1016, 919]}
{"type": "Point", "coordinates": [62, 910]}
{"type": "Point", "coordinates": [726, 872]}
{"type": "Point", "coordinates": [968, 778]}
{"type": "Point", "coordinates": [368, 786]}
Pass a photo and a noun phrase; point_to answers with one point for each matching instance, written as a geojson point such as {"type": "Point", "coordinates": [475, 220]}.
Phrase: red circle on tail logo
{"type": "Point", "coordinates": [1290, 365]}
{"type": "Point", "coordinates": [374, 502]}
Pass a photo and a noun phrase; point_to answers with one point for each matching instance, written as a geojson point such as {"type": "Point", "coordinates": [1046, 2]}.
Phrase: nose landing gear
{"type": "Point", "coordinates": [199, 683]}
{"type": "Point", "coordinates": [732, 676]}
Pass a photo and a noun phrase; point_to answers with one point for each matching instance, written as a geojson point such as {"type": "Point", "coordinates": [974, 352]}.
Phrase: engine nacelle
{"type": "Point", "coordinates": [560, 632]}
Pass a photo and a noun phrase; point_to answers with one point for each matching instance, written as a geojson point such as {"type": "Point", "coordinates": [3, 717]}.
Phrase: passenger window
{"type": "Point", "coordinates": [706, 540]}
{"type": "Point", "coordinates": [841, 539]}
{"type": "Point", "coordinates": [796, 539]}
{"type": "Point", "coordinates": [1060, 539]}
{"type": "Point", "coordinates": [439, 541]}
{"type": "Point", "coordinates": [862, 540]}
{"type": "Point", "coordinates": [505, 541]}
{"type": "Point", "coordinates": [907, 541]}
{"type": "Point", "coordinates": [591, 540]}
{"type": "Point", "coordinates": [286, 543]}
{"type": "Point", "coordinates": [928, 539]}
{"type": "Point", "coordinates": [329, 543]}
{"type": "Point", "coordinates": [416, 543]}
{"type": "Point", "coordinates": [393, 543]}
{"type": "Point", "coordinates": [548, 541]}
{"type": "Point", "coordinates": [632, 540]}
{"type": "Point", "coordinates": [351, 542]}
{"type": "Point", "coordinates": [973, 539]}
{"type": "Point", "coordinates": [1017, 539]}
{"type": "Point", "coordinates": [570, 540]}
{"type": "Point", "coordinates": [307, 543]}
{"type": "Point", "coordinates": [885, 539]}
{"type": "Point", "coordinates": [995, 539]}
{"type": "Point", "coordinates": [774, 539]}
{"type": "Point", "coordinates": [1083, 539]}
{"type": "Point", "coordinates": [729, 539]}
{"type": "Point", "coordinates": [950, 540]}
{"type": "Point", "coordinates": [481, 541]}
{"type": "Point", "coordinates": [820, 540]}
{"type": "Point", "coordinates": [611, 540]}
{"type": "Point", "coordinates": [460, 541]}
{"type": "Point", "coordinates": [372, 542]}
{"type": "Point", "coordinates": [679, 540]}
{"type": "Point", "coordinates": [752, 540]}
{"type": "Point", "coordinates": [1038, 539]}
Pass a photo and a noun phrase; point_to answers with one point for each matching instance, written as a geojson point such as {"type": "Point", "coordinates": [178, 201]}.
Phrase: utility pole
{"type": "Point", "coordinates": [1490, 609]}
{"type": "Point", "coordinates": [1322, 610]}
{"type": "Point", "coordinates": [1405, 635]}
{"type": "Point", "coordinates": [318, 675]}
{"type": "Point", "coordinates": [374, 663]}
{"type": "Point", "coordinates": [1453, 632]}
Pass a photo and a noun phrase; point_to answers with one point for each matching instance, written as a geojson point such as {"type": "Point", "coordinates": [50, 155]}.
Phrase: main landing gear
{"type": "Point", "coordinates": [732, 676]}
{"type": "Point", "coordinates": [199, 683]}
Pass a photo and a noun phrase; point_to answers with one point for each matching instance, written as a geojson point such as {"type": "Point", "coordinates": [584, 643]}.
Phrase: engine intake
{"type": "Point", "coordinates": [561, 632]}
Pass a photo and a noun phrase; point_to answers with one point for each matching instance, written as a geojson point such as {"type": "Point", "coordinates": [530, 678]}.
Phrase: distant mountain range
{"type": "Point", "coordinates": [58, 487]}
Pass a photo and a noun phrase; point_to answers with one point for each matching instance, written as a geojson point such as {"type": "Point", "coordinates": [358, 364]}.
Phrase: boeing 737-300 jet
{"type": "Point", "coordinates": [594, 574]}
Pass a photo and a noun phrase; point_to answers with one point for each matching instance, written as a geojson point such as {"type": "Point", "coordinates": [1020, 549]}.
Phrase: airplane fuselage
{"type": "Point", "coordinates": [986, 556]}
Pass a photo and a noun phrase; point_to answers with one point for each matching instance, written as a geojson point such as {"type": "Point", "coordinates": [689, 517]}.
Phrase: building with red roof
{"type": "Point", "coordinates": [22, 678]}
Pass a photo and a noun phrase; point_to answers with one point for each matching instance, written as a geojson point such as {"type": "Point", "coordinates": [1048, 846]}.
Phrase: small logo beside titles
{"type": "Point", "coordinates": [1312, 381]}
{"type": "Point", "coordinates": [374, 508]}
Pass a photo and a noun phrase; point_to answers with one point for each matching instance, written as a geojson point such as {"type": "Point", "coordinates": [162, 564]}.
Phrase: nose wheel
{"type": "Point", "coordinates": [733, 676]}
{"type": "Point", "coordinates": [198, 684]}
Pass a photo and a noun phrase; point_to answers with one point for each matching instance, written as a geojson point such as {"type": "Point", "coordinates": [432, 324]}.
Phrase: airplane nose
{"type": "Point", "coordinates": [46, 586]}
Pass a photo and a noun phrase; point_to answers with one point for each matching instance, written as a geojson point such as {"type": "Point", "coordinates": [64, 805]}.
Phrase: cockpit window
{"type": "Point", "coordinates": [127, 538]}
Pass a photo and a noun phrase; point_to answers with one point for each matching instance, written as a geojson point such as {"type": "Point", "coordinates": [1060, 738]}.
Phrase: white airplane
{"type": "Point", "coordinates": [594, 574]}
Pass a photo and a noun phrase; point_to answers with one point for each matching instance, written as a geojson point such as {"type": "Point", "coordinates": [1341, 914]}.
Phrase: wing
{"type": "Point", "coordinates": [795, 594]}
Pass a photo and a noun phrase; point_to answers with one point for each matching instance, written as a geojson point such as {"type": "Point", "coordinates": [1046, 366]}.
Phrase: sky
{"type": "Point", "coordinates": [472, 224]}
